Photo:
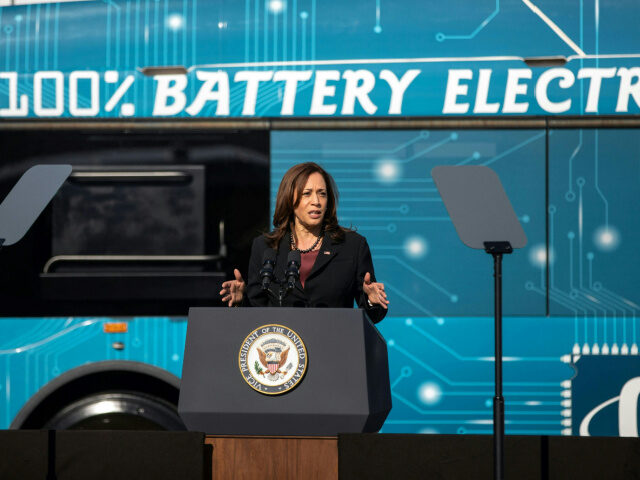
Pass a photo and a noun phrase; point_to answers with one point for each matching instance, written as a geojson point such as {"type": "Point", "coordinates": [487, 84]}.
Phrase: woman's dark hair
{"type": "Point", "coordinates": [291, 187]}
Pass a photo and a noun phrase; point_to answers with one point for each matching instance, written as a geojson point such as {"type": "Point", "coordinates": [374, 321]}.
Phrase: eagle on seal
{"type": "Point", "coordinates": [273, 359]}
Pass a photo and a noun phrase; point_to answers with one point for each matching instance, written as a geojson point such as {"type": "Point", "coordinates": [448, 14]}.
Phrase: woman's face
{"type": "Point", "coordinates": [313, 203]}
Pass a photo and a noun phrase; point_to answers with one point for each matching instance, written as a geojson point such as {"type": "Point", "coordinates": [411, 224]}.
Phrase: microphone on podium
{"type": "Point", "coordinates": [266, 272]}
{"type": "Point", "coordinates": [293, 269]}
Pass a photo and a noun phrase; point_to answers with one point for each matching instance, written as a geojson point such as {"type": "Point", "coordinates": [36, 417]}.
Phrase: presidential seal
{"type": "Point", "coordinates": [273, 359]}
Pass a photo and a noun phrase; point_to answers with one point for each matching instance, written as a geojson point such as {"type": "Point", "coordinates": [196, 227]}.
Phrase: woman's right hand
{"type": "Point", "coordinates": [233, 290]}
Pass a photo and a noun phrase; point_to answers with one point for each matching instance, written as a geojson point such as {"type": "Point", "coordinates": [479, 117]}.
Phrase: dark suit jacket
{"type": "Point", "coordinates": [335, 280]}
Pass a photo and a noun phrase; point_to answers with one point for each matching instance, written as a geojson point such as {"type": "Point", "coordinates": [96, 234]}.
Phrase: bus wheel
{"type": "Point", "coordinates": [110, 395]}
{"type": "Point", "coordinates": [117, 411]}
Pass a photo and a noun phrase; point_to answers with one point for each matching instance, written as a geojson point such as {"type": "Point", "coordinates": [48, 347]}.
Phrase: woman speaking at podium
{"type": "Point", "coordinates": [335, 262]}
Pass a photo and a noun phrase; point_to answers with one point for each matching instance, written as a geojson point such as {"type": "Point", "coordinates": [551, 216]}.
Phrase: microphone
{"type": "Point", "coordinates": [293, 269]}
{"type": "Point", "coordinates": [266, 272]}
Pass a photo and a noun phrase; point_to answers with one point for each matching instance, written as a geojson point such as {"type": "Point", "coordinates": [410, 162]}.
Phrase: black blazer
{"type": "Point", "coordinates": [335, 280]}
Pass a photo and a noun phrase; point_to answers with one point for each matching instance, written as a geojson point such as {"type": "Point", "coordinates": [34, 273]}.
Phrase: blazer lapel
{"type": "Point", "coordinates": [327, 252]}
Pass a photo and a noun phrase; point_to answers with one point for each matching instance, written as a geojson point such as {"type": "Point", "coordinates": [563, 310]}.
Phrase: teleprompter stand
{"type": "Point", "coordinates": [484, 219]}
{"type": "Point", "coordinates": [497, 249]}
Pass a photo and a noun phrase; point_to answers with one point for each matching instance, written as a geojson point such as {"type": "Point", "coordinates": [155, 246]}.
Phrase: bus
{"type": "Point", "coordinates": [180, 117]}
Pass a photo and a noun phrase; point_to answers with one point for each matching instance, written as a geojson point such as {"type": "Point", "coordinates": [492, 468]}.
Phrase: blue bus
{"type": "Point", "coordinates": [180, 117]}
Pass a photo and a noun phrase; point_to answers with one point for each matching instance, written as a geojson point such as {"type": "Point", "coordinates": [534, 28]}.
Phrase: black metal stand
{"type": "Point", "coordinates": [282, 291]}
{"type": "Point", "coordinates": [497, 249]}
{"type": "Point", "coordinates": [269, 293]}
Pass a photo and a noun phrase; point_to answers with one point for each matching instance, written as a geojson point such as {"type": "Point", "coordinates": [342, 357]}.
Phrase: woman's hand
{"type": "Point", "coordinates": [375, 292]}
{"type": "Point", "coordinates": [233, 290]}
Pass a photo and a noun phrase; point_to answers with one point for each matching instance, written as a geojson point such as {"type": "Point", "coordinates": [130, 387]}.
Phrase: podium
{"type": "Point", "coordinates": [335, 372]}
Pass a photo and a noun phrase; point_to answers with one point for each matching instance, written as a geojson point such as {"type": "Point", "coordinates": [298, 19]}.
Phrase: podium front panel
{"type": "Point", "coordinates": [345, 387]}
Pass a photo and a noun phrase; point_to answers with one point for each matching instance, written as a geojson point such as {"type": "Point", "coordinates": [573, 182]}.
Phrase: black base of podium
{"type": "Point", "coordinates": [384, 456]}
{"type": "Point", "coordinates": [81, 455]}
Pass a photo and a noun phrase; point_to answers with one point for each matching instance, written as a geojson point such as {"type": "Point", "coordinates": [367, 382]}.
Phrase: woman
{"type": "Point", "coordinates": [336, 266]}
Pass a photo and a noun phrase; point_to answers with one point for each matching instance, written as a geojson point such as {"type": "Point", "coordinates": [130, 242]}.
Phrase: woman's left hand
{"type": "Point", "coordinates": [375, 292]}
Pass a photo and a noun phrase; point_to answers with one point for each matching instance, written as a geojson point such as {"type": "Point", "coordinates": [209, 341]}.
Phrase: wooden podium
{"type": "Point", "coordinates": [293, 435]}
{"type": "Point", "coordinates": [251, 457]}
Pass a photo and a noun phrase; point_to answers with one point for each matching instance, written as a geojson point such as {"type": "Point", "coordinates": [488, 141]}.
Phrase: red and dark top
{"type": "Point", "coordinates": [306, 264]}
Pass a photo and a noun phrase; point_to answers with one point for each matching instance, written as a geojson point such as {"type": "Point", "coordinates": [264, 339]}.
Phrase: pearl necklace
{"type": "Point", "coordinates": [295, 247]}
